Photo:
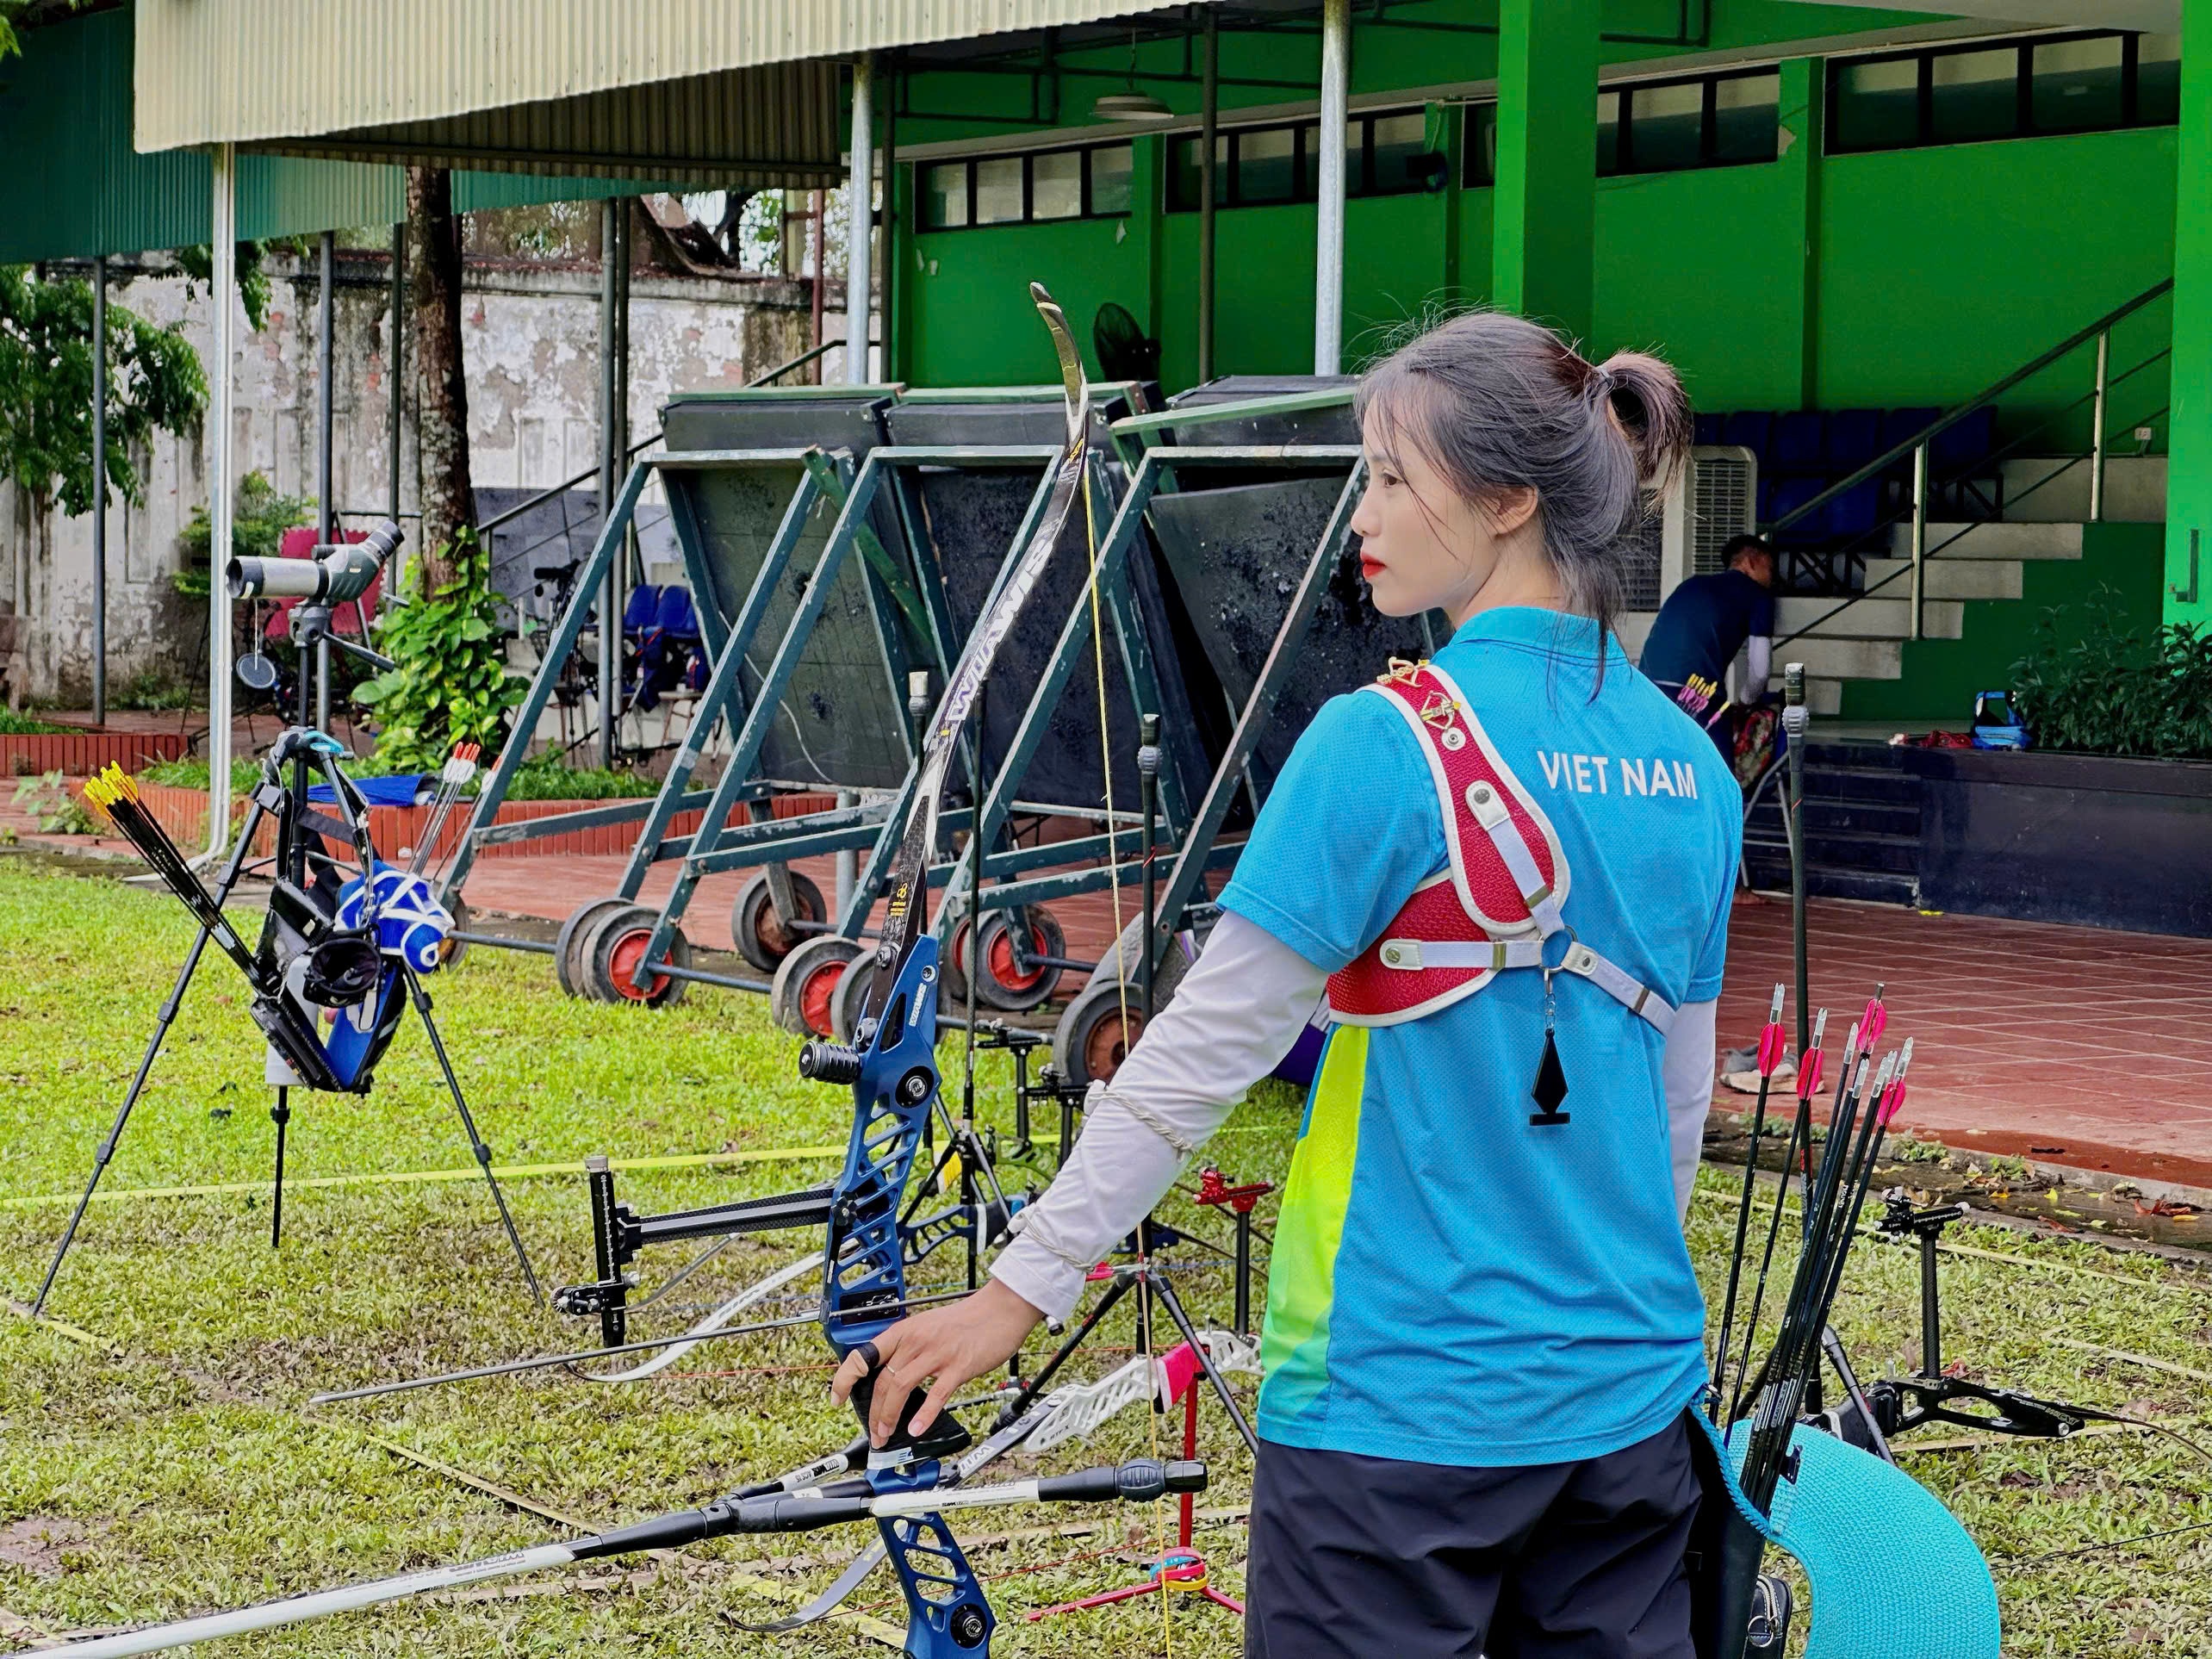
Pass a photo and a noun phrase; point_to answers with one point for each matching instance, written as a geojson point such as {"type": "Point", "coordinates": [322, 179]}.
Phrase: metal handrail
{"type": "Point", "coordinates": [1958, 412]}
{"type": "Point", "coordinates": [645, 443]}
{"type": "Point", "coordinates": [1923, 552]}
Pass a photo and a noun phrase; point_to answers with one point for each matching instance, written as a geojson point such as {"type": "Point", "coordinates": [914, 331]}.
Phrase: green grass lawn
{"type": "Point", "coordinates": [177, 1468]}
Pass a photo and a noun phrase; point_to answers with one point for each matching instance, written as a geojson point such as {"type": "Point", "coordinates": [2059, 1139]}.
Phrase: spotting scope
{"type": "Point", "coordinates": [333, 574]}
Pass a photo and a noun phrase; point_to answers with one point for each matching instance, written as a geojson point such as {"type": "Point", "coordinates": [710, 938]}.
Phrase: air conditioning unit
{"type": "Point", "coordinates": [1714, 497]}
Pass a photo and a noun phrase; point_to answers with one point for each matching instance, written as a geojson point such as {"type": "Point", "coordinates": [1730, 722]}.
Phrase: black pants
{"type": "Point", "coordinates": [1358, 1558]}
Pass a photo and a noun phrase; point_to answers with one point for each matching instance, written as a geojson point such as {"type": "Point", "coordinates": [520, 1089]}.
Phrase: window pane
{"type": "Point", "coordinates": [1182, 178]}
{"type": "Point", "coordinates": [1110, 170]}
{"type": "Point", "coordinates": [945, 195]}
{"type": "Point", "coordinates": [1744, 117]}
{"type": "Point", "coordinates": [1482, 142]}
{"type": "Point", "coordinates": [1666, 126]}
{"type": "Point", "coordinates": [2074, 85]}
{"type": "Point", "coordinates": [1976, 95]}
{"type": "Point", "coordinates": [2157, 79]}
{"type": "Point", "coordinates": [1608, 133]}
{"type": "Point", "coordinates": [1056, 185]}
{"type": "Point", "coordinates": [1878, 104]}
{"type": "Point", "coordinates": [1400, 154]}
{"type": "Point", "coordinates": [998, 190]}
{"type": "Point", "coordinates": [1267, 165]}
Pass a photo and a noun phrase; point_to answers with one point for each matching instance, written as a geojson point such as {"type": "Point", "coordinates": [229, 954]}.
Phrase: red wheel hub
{"type": "Point", "coordinates": [815, 995]}
{"type": "Point", "coordinates": [1002, 960]}
{"type": "Point", "coordinates": [624, 961]}
{"type": "Point", "coordinates": [1107, 1044]}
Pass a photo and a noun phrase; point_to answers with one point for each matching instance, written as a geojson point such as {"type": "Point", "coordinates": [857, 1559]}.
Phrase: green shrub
{"type": "Point", "coordinates": [56, 812]}
{"type": "Point", "coordinates": [193, 775]}
{"type": "Point", "coordinates": [12, 724]}
{"type": "Point", "coordinates": [260, 514]}
{"type": "Point", "coordinates": [2096, 688]}
{"type": "Point", "coordinates": [449, 682]}
{"type": "Point", "coordinates": [546, 779]}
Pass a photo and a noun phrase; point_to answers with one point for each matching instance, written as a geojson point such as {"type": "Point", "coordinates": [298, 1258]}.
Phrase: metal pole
{"type": "Point", "coordinates": [1210, 115]}
{"type": "Point", "coordinates": [860, 221]}
{"type": "Point", "coordinates": [327, 517]}
{"type": "Point", "coordinates": [610, 617]}
{"type": "Point", "coordinates": [1328, 248]}
{"type": "Point", "coordinates": [397, 359]}
{"type": "Point", "coordinates": [885, 258]}
{"type": "Point", "coordinates": [1795, 718]}
{"type": "Point", "coordinates": [821, 251]}
{"type": "Point", "coordinates": [849, 861]}
{"type": "Point", "coordinates": [1919, 532]}
{"type": "Point", "coordinates": [2097, 432]}
{"type": "Point", "coordinates": [100, 491]}
{"type": "Point", "coordinates": [223, 239]}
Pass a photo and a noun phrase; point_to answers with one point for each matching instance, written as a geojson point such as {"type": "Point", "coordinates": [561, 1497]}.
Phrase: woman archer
{"type": "Point", "coordinates": [1511, 869]}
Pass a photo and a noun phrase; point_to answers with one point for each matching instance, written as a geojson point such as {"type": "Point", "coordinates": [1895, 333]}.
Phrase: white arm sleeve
{"type": "Point", "coordinates": [1758, 664]}
{"type": "Point", "coordinates": [1687, 1078]}
{"type": "Point", "coordinates": [1234, 1017]}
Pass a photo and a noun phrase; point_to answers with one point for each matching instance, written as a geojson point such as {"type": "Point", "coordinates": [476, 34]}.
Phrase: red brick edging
{"type": "Point", "coordinates": [81, 753]}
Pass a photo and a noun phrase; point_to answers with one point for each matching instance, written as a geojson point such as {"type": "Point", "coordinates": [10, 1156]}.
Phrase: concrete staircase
{"type": "Point", "coordinates": [1968, 566]}
{"type": "Point", "coordinates": [1861, 826]}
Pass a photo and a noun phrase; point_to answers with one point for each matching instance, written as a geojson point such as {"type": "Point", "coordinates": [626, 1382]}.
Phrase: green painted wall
{"type": "Point", "coordinates": [2119, 571]}
{"type": "Point", "coordinates": [2188, 593]}
{"type": "Point", "coordinates": [1942, 269]}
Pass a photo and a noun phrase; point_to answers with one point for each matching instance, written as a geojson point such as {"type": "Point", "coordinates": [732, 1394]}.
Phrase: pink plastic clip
{"type": "Point", "coordinates": [1177, 1370]}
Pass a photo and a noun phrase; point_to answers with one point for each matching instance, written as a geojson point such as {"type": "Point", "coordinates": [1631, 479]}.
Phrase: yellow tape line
{"type": "Point", "coordinates": [402, 1177]}
{"type": "Point", "coordinates": [62, 1328]}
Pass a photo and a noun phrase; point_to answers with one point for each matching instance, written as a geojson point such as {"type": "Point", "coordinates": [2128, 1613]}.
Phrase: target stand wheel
{"type": "Point", "coordinates": [1096, 1031]}
{"type": "Point", "coordinates": [452, 952]}
{"type": "Point", "coordinates": [1000, 983]}
{"type": "Point", "coordinates": [610, 955]}
{"type": "Point", "coordinates": [951, 969]}
{"type": "Point", "coordinates": [567, 967]}
{"type": "Point", "coordinates": [800, 996]}
{"type": "Point", "coordinates": [846, 1000]}
{"type": "Point", "coordinates": [762, 939]}
{"type": "Point", "coordinates": [1124, 956]}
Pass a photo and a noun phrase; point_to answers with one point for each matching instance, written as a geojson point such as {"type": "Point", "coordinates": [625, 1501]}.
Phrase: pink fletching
{"type": "Point", "coordinates": [1179, 1367]}
{"type": "Point", "coordinates": [1771, 1042]}
{"type": "Point", "coordinates": [1891, 1102]}
{"type": "Point", "coordinates": [1870, 1027]}
{"type": "Point", "coordinates": [1809, 1074]}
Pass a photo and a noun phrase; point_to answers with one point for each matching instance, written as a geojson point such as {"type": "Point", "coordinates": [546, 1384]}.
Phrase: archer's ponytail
{"type": "Point", "coordinates": [1497, 403]}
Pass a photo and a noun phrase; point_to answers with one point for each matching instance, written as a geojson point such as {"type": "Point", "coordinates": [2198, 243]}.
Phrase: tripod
{"type": "Point", "coordinates": [305, 961]}
{"type": "Point", "coordinates": [1181, 1568]}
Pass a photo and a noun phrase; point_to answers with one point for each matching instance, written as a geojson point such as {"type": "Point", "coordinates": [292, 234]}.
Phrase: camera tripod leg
{"type": "Point", "coordinates": [281, 1114]}
{"type": "Point", "coordinates": [421, 1000]}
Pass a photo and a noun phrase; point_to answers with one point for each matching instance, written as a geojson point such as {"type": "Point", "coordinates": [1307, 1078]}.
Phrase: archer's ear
{"type": "Point", "coordinates": [1509, 509]}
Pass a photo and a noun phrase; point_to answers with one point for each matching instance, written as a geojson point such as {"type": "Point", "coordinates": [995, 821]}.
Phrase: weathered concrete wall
{"type": "Point", "coordinates": [531, 339]}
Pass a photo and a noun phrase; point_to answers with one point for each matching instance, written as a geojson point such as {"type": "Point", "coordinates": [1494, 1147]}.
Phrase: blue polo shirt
{"type": "Point", "coordinates": [1450, 1284]}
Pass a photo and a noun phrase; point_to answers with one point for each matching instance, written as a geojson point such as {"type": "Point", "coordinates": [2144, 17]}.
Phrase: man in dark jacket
{"type": "Point", "coordinates": [1704, 623]}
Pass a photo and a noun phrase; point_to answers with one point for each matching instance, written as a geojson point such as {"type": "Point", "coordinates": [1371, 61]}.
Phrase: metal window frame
{"type": "Point", "coordinates": [1473, 177]}
{"type": "Point", "coordinates": [1029, 161]}
{"type": "Point", "coordinates": [2023, 125]}
{"type": "Point", "coordinates": [1360, 182]}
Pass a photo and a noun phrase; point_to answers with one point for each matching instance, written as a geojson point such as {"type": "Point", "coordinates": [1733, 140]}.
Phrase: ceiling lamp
{"type": "Point", "coordinates": [1130, 104]}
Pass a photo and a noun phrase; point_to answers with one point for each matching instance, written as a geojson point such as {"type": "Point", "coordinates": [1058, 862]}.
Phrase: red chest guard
{"type": "Point", "coordinates": [1499, 900]}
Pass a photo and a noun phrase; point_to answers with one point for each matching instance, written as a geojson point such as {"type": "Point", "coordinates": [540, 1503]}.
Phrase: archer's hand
{"type": "Point", "coordinates": [952, 1345]}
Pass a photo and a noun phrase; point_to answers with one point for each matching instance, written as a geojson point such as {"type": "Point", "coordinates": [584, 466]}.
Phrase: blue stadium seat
{"type": "Point", "coordinates": [1800, 442]}
{"type": "Point", "coordinates": [1855, 438]}
{"type": "Point", "coordinates": [1854, 514]}
{"type": "Point", "coordinates": [637, 615]}
{"type": "Point", "coordinates": [1964, 445]}
{"type": "Point", "coordinates": [1789, 494]}
{"type": "Point", "coordinates": [1752, 429]}
{"type": "Point", "coordinates": [1706, 429]}
{"type": "Point", "coordinates": [1899, 424]}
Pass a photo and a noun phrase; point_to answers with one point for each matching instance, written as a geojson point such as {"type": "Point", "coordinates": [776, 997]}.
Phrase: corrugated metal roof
{"type": "Point", "coordinates": [73, 188]}
{"type": "Point", "coordinates": [765, 127]}
{"type": "Point", "coordinates": [268, 72]}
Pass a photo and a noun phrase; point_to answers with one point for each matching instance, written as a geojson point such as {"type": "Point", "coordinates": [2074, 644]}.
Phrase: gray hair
{"type": "Point", "coordinates": [1497, 403]}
